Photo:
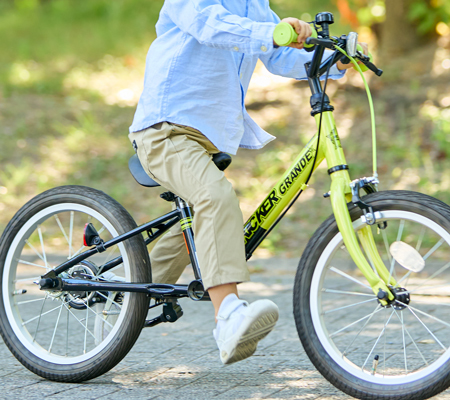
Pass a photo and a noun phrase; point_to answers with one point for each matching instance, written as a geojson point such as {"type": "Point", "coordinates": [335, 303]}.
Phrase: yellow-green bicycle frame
{"type": "Point", "coordinates": [293, 181]}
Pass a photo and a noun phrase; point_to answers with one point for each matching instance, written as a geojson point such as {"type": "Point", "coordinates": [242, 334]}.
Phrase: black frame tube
{"type": "Point", "coordinates": [118, 260]}
{"type": "Point", "coordinates": [188, 233]}
{"type": "Point", "coordinates": [154, 290]}
{"type": "Point", "coordinates": [84, 285]}
{"type": "Point", "coordinates": [174, 216]}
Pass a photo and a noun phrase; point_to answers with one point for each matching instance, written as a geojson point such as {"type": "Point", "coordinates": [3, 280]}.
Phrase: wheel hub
{"type": "Point", "coordinates": [402, 298]}
{"type": "Point", "coordinates": [85, 270]}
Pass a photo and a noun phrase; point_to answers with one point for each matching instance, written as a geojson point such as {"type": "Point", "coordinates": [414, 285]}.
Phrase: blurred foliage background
{"type": "Point", "coordinates": [71, 73]}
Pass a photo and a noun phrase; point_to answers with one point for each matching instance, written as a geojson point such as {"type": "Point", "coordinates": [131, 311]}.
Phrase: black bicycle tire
{"type": "Point", "coordinates": [140, 270]}
{"type": "Point", "coordinates": [424, 388]}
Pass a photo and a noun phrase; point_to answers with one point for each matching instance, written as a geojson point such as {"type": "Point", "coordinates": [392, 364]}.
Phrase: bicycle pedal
{"type": "Point", "coordinates": [171, 312]}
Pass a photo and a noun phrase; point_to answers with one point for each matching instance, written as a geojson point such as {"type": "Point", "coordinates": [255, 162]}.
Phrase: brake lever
{"type": "Point", "coordinates": [373, 68]}
{"type": "Point", "coordinates": [366, 61]}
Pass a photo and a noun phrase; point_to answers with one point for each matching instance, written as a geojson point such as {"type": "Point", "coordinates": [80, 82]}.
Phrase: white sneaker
{"type": "Point", "coordinates": [240, 326]}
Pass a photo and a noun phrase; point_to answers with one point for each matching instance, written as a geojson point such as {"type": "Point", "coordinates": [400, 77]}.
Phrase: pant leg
{"type": "Point", "coordinates": [179, 158]}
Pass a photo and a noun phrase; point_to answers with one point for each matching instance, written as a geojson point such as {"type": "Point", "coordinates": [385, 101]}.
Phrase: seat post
{"type": "Point", "coordinates": [186, 226]}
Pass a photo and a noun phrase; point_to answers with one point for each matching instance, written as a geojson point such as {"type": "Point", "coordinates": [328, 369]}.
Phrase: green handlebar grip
{"type": "Point", "coordinates": [284, 34]}
{"type": "Point", "coordinates": [362, 66]}
{"type": "Point", "coordinates": [313, 35]}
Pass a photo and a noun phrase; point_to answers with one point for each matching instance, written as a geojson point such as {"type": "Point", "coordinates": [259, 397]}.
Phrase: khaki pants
{"type": "Point", "coordinates": [179, 158]}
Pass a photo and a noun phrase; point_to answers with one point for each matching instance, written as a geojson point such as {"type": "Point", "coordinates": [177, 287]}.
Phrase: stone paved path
{"type": "Point", "coordinates": [180, 360]}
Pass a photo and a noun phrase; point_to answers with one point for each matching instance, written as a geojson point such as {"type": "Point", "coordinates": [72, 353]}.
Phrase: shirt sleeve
{"type": "Point", "coordinates": [213, 25]}
{"type": "Point", "coordinates": [290, 62]}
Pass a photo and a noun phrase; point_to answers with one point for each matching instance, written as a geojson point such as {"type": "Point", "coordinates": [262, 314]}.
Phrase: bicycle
{"type": "Point", "coordinates": [378, 254]}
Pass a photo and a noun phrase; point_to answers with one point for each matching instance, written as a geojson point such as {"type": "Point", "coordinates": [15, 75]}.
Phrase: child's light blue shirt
{"type": "Point", "coordinates": [199, 68]}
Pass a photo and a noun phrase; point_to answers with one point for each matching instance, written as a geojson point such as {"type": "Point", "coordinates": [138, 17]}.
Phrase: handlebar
{"type": "Point", "coordinates": [284, 34]}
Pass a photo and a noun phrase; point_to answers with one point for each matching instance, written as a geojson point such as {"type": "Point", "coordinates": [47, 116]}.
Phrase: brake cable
{"type": "Point", "coordinates": [322, 106]}
{"type": "Point", "coordinates": [372, 112]}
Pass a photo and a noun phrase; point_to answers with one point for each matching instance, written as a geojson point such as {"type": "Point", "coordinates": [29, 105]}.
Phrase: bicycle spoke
{"type": "Point", "coordinates": [345, 292]}
{"type": "Point", "coordinates": [378, 339]}
{"type": "Point", "coordinates": [27, 279]}
{"type": "Point", "coordinates": [404, 343]}
{"type": "Point", "coordinates": [399, 237]}
{"type": "Point", "coordinates": [62, 230]}
{"type": "Point", "coordinates": [56, 327]}
{"type": "Point", "coordinates": [85, 332]}
{"type": "Point", "coordinates": [338, 271]}
{"type": "Point", "coordinates": [40, 314]}
{"type": "Point", "coordinates": [413, 341]}
{"type": "Point", "coordinates": [404, 277]}
{"type": "Point", "coordinates": [344, 249]}
{"type": "Point", "coordinates": [431, 333]}
{"type": "Point", "coordinates": [350, 305]}
{"type": "Point", "coordinates": [78, 251]}
{"type": "Point", "coordinates": [377, 308]}
{"type": "Point", "coordinates": [42, 246]}
{"type": "Point", "coordinates": [419, 241]}
{"type": "Point", "coordinates": [81, 323]}
{"type": "Point", "coordinates": [355, 322]}
{"type": "Point", "coordinates": [112, 269]}
{"type": "Point", "coordinates": [386, 244]}
{"type": "Point", "coordinates": [67, 334]}
{"type": "Point", "coordinates": [429, 316]}
{"type": "Point", "coordinates": [423, 301]}
{"type": "Point", "coordinates": [109, 253]}
{"type": "Point", "coordinates": [30, 301]}
{"type": "Point", "coordinates": [400, 230]}
{"type": "Point", "coordinates": [112, 301]}
{"type": "Point", "coordinates": [32, 264]}
{"type": "Point", "coordinates": [97, 314]}
{"type": "Point", "coordinates": [435, 247]}
{"type": "Point", "coordinates": [33, 248]}
{"type": "Point", "coordinates": [443, 293]}
{"type": "Point", "coordinates": [445, 267]}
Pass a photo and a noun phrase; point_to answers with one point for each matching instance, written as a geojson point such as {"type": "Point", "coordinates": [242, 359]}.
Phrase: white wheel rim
{"type": "Point", "coordinates": [315, 305]}
{"type": "Point", "coordinates": [11, 311]}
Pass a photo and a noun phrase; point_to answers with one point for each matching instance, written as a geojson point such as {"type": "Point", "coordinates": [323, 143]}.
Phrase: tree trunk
{"type": "Point", "coordinates": [398, 34]}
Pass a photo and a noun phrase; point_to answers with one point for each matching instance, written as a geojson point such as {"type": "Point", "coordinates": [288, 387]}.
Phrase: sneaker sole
{"type": "Point", "coordinates": [254, 333]}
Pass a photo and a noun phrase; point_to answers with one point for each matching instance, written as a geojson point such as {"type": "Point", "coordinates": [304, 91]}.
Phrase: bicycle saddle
{"type": "Point", "coordinates": [222, 161]}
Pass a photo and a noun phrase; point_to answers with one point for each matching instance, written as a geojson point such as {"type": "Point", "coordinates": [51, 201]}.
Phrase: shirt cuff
{"type": "Point", "coordinates": [262, 34]}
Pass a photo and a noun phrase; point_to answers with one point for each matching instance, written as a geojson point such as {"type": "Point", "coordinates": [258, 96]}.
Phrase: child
{"type": "Point", "coordinates": [198, 71]}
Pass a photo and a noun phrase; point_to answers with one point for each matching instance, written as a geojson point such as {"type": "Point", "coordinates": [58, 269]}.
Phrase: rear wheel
{"type": "Point", "coordinates": [369, 351]}
{"type": "Point", "coordinates": [70, 336]}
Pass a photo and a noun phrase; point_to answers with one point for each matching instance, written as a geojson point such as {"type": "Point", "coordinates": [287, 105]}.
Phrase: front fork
{"type": "Point", "coordinates": [378, 276]}
{"type": "Point", "coordinates": [378, 280]}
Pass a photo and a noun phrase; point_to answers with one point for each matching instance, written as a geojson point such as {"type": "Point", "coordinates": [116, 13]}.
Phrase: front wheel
{"type": "Point", "coordinates": [401, 351]}
{"type": "Point", "coordinates": [70, 336]}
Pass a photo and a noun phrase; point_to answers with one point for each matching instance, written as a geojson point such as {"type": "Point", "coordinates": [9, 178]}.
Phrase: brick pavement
{"type": "Point", "coordinates": [180, 360]}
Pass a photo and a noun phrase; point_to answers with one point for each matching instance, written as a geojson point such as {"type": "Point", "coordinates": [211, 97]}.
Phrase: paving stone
{"type": "Point", "coordinates": [180, 360]}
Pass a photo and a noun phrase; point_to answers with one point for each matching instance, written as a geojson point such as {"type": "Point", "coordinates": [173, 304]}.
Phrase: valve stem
{"type": "Point", "coordinates": [375, 364]}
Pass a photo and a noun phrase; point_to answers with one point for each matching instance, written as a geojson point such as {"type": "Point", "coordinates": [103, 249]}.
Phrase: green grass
{"type": "Point", "coordinates": [68, 69]}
